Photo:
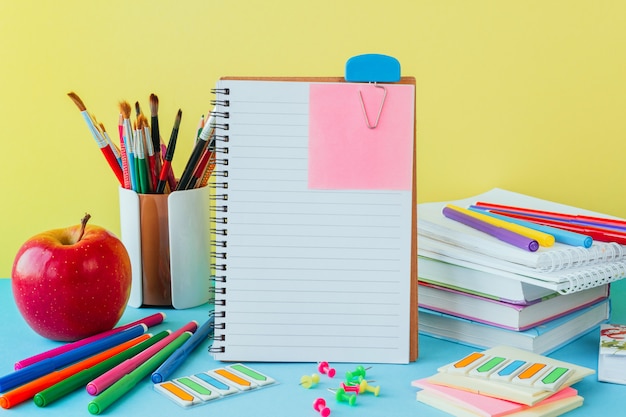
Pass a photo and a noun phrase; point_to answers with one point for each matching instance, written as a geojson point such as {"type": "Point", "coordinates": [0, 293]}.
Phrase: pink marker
{"type": "Point", "coordinates": [149, 321]}
{"type": "Point", "coordinates": [108, 378]}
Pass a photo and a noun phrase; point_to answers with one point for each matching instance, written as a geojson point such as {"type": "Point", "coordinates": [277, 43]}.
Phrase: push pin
{"type": "Point", "coordinates": [308, 381]}
{"type": "Point", "coordinates": [364, 386]}
{"type": "Point", "coordinates": [342, 397]}
{"type": "Point", "coordinates": [350, 388]}
{"type": "Point", "coordinates": [320, 406]}
{"type": "Point", "coordinates": [358, 372]}
{"type": "Point", "coordinates": [325, 368]}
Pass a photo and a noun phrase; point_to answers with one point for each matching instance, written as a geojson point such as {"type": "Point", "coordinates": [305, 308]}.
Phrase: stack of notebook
{"type": "Point", "coordinates": [479, 290]}
{"type": "Point", "coordinates": [503, 381]}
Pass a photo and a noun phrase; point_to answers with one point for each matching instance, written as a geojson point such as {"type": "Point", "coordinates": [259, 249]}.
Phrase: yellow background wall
{"type": "Point", "coordinates": [524, 95]}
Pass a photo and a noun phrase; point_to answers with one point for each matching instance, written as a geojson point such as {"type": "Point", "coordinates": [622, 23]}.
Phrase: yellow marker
{"type": "Point", "coordinates": [544, 239]}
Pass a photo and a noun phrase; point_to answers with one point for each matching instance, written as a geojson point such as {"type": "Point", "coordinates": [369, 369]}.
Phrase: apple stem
{"type": "Point", "coordinates": [83, 224]}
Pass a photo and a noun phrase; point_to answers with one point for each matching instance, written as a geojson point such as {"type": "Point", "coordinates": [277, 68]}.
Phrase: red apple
{"type": "Point", "coordinates": [72, 283]}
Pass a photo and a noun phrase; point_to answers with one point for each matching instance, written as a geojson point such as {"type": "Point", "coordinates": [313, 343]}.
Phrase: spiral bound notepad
{"type": "Point", "coordinates": [316, 221]}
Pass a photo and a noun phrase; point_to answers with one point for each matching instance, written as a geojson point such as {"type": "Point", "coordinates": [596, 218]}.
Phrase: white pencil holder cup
{"type": "Point", "coordinates": [167, 237]}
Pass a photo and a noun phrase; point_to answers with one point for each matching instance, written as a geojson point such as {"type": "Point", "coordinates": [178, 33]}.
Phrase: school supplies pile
{"type": "Point", "coordinates": [504, 381]}
{"type": "Point", "coordinates": [487, 279]}
{"type": "Point", "coordinates": [612, 353]}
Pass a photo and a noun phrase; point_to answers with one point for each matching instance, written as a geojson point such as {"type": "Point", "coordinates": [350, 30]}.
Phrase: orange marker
{"type": "Point", "coordinates": [28, 391]}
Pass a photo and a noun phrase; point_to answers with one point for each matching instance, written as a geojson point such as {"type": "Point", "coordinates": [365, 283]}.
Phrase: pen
{"type": "Point", "coordinates": [24, 375]}
{"type": "Point", "coordinates": [169, 155]}
{"type": "Point", "coordinates": [500, 233]}
{"type": "Point", "coordinates": [129, 381]}
{"type": "Point", "coordinates": [183, 352]}
{"type": "Point", "coordinates": [107, 379]}
{"type": "Point", "coordinates": [596, 233]}
{"type": "Point", "coordinates": [543, 239]}
{"type": "Point", "coordinates": [149, 321]}
{"type": "Point", "coordinates": [80, 379]}
{"type": "Point", "coordinates": [24, 392]}
{"type": "Point", "coordinates": [589, 220]}
{"type": "Point", "coordinates": [560, 235]}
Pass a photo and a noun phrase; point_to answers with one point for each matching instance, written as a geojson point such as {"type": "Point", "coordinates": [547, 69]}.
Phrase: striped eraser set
{"type": "Point", "coordinates": [510, 370]}
{"type": "Point", "coordinates": [200, 388]}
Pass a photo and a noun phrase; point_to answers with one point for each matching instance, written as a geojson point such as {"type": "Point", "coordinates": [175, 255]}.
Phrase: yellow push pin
{"type": "Point", "coordinates": [364, 386]}
{"type": "Point", "coordinates": [308, 381]}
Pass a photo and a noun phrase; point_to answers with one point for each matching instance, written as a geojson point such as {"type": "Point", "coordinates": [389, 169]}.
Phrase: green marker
{"type": "Point", "coordinates": [128, 381]}
{"type": "Point", "coordinates": [81, 379]}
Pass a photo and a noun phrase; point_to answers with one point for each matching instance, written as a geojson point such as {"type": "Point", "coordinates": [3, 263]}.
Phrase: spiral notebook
{"type": "Point", "coordinates": [316, 221]}
{"type": "Point", "coordinates": [560, 267]}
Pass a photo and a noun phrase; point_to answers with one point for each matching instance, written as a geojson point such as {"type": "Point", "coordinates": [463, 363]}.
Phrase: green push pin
{"type": "Point", "coordinates": [357, 375]}
{"type": "Point", "coordinates": [342, 397]}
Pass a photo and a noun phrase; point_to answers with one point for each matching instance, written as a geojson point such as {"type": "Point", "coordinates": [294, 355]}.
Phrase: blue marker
{"type": "Point", "coordinates": [560, 235]}
{"type": "Point", "coordinates": [183, 352]}
{"type": "Point", "coordinates": [46, 366]}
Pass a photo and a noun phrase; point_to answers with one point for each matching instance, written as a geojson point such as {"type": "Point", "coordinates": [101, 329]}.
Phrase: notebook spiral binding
{"type": "Point", "coordinates": [594, 276]}
{"type": "Point", "coordinates": [219, 206]}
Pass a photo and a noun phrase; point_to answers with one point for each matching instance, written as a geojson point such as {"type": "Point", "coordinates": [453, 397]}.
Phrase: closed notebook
{"type": "Point", "coordinates": [503, 314]}
{"type": "Point", "coordinates": [542, 339]}
{"type": "Point", "coordinates": [315, 241]}
{"type": "Point", "coordinates": [562, 267]}
{"type": "Point", "coordinates": [491, 285]}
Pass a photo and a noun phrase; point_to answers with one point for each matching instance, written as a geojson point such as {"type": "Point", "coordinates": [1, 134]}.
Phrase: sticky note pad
{"type": "Point", "coordinates": [530, 374]}
{"type": "Point", "coordinates": [489, 366]}
{"type": "Point", "coordinates": [553, 378]}
{"type": "Point", "coordinates": [250, 374]}
{"type": "Point", "coordinates": [466, 364]}
{"type": "Point", "coordinates": [232, 379]}
{"type": "Point", "coordinates": [198, 389]}
{"type": "Point", "coordinates": [216, 384]}
{"type": "Point", "coordinates": [176, 394]}
{"type": "Point", "coordinates": [508, 372]}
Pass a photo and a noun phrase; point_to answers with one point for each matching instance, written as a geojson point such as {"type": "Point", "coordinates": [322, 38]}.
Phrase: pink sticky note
{"type": "Point", "coordinates": [344, 153]}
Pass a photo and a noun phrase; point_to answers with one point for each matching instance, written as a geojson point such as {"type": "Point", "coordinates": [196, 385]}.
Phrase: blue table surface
{"type": "Point", "coordinates": [287, 397]}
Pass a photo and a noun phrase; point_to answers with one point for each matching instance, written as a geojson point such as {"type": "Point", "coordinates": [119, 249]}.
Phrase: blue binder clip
{"type": "Point", "coordinates": [373, 68]}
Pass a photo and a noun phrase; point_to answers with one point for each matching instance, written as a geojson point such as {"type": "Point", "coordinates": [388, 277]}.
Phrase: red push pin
{"type": "Point", "coordinates": [350, 388]}
{"type": "Point", "coordinates": [325, 368]}
{"type": "Point", "coordinates": [320, 406]}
